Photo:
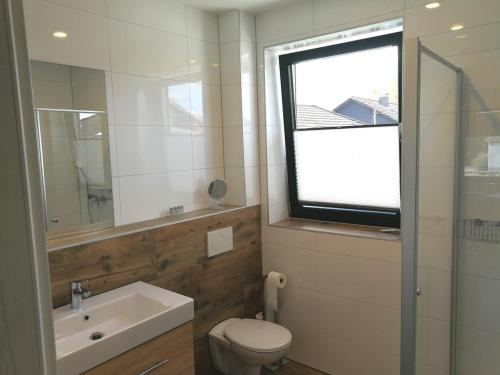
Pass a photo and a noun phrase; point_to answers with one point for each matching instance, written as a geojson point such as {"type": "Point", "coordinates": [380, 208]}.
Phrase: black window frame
{"type": "Point", "coordinates": [335, 212]}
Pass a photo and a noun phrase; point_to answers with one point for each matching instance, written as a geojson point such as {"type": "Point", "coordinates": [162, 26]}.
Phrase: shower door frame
{"type": "Point", "coordinates": [410, 142]}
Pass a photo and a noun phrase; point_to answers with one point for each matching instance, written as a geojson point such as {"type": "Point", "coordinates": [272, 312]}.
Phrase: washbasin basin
{"type": "Point", "coordinates": [113, 322]}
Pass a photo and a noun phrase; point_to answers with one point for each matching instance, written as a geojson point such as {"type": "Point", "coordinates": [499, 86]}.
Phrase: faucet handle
{"type": "Point", "coordinates": [77, 289]}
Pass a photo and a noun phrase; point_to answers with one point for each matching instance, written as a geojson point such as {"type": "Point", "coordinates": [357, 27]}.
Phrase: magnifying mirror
{"type": "Point", "coordinates": [217, 190]}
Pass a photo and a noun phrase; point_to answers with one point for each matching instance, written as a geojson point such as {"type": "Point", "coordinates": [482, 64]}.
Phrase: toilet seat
{"type": "Point", "coordinates": [257, 336]}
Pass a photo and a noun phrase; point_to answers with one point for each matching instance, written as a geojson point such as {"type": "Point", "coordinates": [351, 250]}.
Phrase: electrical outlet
{"type": "Point", "coordinates": [220, 241]}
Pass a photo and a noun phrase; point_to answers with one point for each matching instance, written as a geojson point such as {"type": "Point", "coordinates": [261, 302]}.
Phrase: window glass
{"type": "Point", "coordinates": [341, 115]}
{"type": "Point", "coordinates": [359, 88]}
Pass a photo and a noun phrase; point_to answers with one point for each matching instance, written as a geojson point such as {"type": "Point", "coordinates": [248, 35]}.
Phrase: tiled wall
{"type": "Point", "coordinates": [174, 257]}
{"type": "Point", "coordinates": [475, 49]}
{"type": "Point", "coordinates": [161, 60]}
{"type": "Point", "coordinates": [342, 302]}
{"type": "Point", "coordinates": [239, 101]}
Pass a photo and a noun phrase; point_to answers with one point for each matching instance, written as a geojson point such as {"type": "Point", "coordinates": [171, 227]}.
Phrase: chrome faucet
{"type": "Point", "coordinates": [78, 293]}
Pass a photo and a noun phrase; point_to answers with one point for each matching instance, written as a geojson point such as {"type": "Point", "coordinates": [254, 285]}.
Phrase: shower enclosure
{"type": "Point", "coordinates": [450, 223]}
{"type": "Point", "coordinates": [431, 165]}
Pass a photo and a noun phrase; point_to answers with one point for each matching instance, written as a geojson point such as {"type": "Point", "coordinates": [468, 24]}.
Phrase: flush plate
{"type": "Point", "coordinates": [220, 241]}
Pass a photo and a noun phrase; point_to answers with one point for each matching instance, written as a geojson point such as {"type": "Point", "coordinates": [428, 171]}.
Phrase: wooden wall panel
{"type": "Point", "coordinates": [174, 257]}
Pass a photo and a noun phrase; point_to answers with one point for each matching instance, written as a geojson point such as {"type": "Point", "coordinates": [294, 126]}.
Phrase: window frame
{"type": "Point", "coordinates": [360, 215]}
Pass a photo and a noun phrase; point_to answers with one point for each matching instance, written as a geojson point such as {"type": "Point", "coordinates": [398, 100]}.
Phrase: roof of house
{"type": "Point", "coordinates": [392, 110]}
{"type": "Point", "coordinates": [311, 116]}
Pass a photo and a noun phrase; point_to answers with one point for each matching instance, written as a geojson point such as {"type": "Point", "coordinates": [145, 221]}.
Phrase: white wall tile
{"type": "Point", "coordinates": [151, 195]}
{"type": "Point", "coordinates": [363, 323]}
{"type": "Point", "coordinates": [294, 304]}
{"type": "Point", "coordinates": [247, 27]}
{"type": "Point", "coordinates": [86, 44]}
{"type": "Point", "coordinates": [477, 351]}
{"type": "Point", "coordinates": [252, 185]}
{"type": "Point", "coordinates": [440, 20]}
{"type": "Point", "coordinates": [340, 356]}
{"type": "Point", "coordinates": [235, 179]}
{"type": "Point", "coordinates": [294, 19]}
{"type": "Point", "coordinates": [299, 265]}
{"type": "Point", "coordinates": [229, 26]}
{"type": "Point", "coordinates": [143, 100]}
{"type": "Point", "coordinates": [206, 106]}
{"type": "Point", "coordinates": [203, 62]}
{"type": "Point", "coordinates": [473, 39]}
{"type": "Point", "coordinates": [140, 50]}
{"type": "Point", "coordinates": [202, 25]}
{"type": "Point", "coordinates": [251, 146]}
{"type": "Point", "coordinates": [168, 149]}
{"type": "Point", "coordinates": [328, 13]}
{"type": "Point", "coordinates": [230, 63]}
{"type": "Point", "coordinates": [208, 147]}
{"type": "Point", "coordinates": [358, 278]}
{"type": "Point", "coordinates": [289, 237]}
{"type": "Point", "coordinates": [437, 139]}
{"type": "Point", "coordinates": [249, 105]}
{"type": "Point", "coordinates": [433, 179]}
{"type": "Point", "coordinates": [389, 251]}
{"type": "Point", "coordinates": [231, 104]}
{"type": "Point", "coordinates": [248, 60]}
{"type": "Point", "coordinates": [433, 337]}
{"type": "Point", "coordinates": [164, 15]}
{"type": "Point", "coordinates": [113, 156]}
{"type": "Point", "coordinates": [92, 6]}
{"type": "Point", "coordinates": [233, 146]}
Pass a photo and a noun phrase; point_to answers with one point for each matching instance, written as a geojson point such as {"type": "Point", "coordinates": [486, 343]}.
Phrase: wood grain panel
{"type": "Point", "coordinates": [175, 346]}
{"type": "Point", "coordinates": [174, 258]}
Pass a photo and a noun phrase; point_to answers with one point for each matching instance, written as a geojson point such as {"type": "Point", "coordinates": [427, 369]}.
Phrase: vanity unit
{"type": "Point", "coordinates": [137, 329]}
{"type": "Point", "coordinates": [170, 353]}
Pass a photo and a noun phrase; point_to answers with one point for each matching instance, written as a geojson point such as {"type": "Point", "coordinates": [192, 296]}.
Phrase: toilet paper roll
{"type": "Point", "coordinates": [274, 281]}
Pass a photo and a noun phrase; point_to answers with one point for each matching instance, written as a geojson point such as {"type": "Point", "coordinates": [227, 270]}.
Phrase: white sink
{"type": "Point", "coordinates": [125, 318]}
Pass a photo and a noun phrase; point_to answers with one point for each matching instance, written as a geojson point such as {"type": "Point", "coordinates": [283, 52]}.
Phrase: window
{"type": "Point", "coordinates": [341, 115]}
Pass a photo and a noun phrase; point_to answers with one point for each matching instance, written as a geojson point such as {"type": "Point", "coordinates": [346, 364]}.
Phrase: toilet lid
{"type": "Point", "coordinates": [258, 335]}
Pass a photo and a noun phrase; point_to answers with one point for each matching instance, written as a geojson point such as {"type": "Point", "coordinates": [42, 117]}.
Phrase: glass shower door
{"type": "Point", "coordinates": [438, 163]}
{"type": "Point", "coordinates": [431, 133]}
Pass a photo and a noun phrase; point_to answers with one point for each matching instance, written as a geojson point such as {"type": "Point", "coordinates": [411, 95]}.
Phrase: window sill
{"type": "Point", "coordinates": [352, 230]}
{"type": "Point", "coordinates": [75, 239]}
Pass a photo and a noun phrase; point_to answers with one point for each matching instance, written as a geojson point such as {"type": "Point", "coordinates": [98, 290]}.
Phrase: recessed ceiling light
{"type": "Point", "coordinates": [456, 27]}
{"type": "Point", "coordinates": [461, 36]}
{"type": "Point", "coordinates": [59, 34]}
{"type": "Point", "coordinates": [432, 5]}
{"type": "Point", "coordinates": [193, 61]}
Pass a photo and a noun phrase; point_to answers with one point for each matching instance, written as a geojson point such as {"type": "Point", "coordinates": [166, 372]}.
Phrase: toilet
{"type": "Point", "coordinates": [243, 346]}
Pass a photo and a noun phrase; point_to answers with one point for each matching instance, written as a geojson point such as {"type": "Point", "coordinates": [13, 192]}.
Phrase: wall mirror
{"type": "Point", "coordinates": [72, 128]}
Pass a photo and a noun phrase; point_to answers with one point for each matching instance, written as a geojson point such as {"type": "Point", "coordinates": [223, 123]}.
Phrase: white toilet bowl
{"type": "Point", "coordinates": [242, 346]}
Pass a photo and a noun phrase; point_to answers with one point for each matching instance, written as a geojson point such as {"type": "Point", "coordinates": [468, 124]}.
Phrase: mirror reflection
{"type": "Point", "coordinates": [72, 126]}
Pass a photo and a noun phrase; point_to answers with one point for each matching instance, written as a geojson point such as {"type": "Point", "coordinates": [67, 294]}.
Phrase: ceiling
{"type": "Point", "coordinates": [254, 6]}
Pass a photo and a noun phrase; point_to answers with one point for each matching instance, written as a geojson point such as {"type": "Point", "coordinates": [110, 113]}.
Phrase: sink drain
{"type": "Point", "coordinates": [96, 336]}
